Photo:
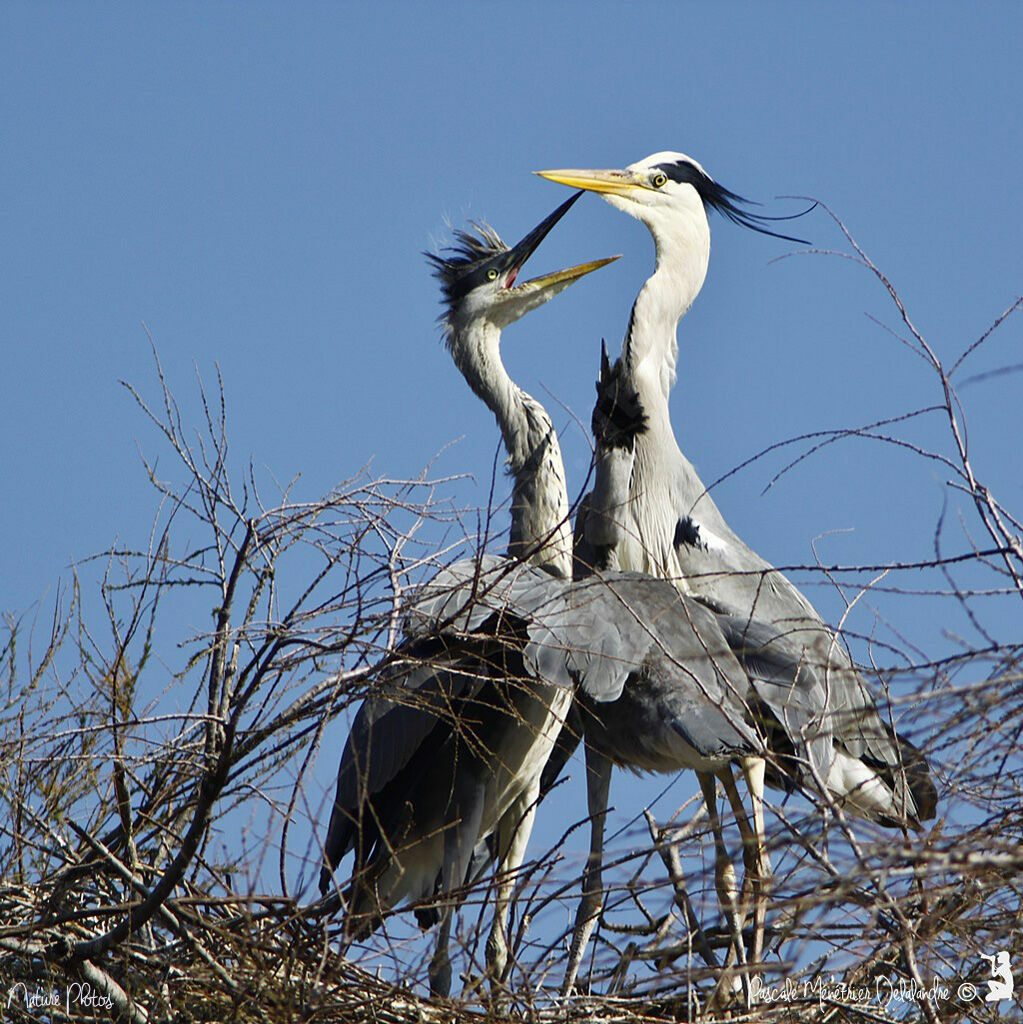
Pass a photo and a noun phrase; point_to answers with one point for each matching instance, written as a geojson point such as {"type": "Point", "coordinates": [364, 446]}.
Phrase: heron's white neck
{"type": "Point", "coordinates": [540, 529]}
{"type": "Point", "coordinates": [650, 351]}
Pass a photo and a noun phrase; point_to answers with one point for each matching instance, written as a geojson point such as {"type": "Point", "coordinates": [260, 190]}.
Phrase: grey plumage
{"type": "Point", "coordinates": [649, 511]}
{"type": "Point", "coordinates": [669, 525]}
{"type": "Point", "coordinates": [484, 633]}
{"type": "Point", "coordinates": [813, 701]}
{"type": "Point", "coordinates": [445, 715]}
{"type": "Point", "coordinates": [449, 748]}
{"type": "Point", "coordinates": [685, 704]}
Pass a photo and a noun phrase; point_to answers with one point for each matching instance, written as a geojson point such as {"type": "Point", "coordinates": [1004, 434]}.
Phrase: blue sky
{"type": "Point", "coordinates": [256, 184]}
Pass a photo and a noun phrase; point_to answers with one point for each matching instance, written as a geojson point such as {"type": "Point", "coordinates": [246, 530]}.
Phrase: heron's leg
{"type": "Point", "coordinates": [727, 893]}
{"type": "Point", "coordinates": [598, 783]}
{"type": "Point", "coordinates": [753, 769]}
{"type": "Point", "coordinates": [459, 841]}
{"type": "Point", "coordinates": [513, 834]}
{"type": "Point", "coordinates": [753, 841]}
{"type": "Point", "coordinates": [749, 840]}
{"type": "Point", "coordinates": [440, 963]}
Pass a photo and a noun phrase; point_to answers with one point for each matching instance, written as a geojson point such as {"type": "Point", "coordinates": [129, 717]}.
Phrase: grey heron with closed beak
{"type": "Point", "coordinates": [651, 509]}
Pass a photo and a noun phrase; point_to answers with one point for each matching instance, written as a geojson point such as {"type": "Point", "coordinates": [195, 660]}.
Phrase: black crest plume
{"type": "Point", "coordinates": [455, 265]}
{"type": "Point", "coordinates": [727, 202]}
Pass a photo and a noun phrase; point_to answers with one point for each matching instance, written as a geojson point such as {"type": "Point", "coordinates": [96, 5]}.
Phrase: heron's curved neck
{"type": "Point", "coordinates": [540, 530]}
{"type": "Point", "coordinates": [650, 351]}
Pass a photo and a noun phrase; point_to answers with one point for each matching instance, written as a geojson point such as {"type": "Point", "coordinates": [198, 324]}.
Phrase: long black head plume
{"type": "Point", "coordinates": [726, 202]}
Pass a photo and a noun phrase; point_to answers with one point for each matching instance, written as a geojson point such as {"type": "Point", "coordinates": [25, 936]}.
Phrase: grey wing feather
{"type": "Point", "coordinates": [565, 639]}
{"type": "Point", "coordinates": [621, 621]}
{"type": "Point", "coordinates": [660, 686]}
{"type": "Point", "coordinates": [461, 597]}
{"type": "Point", "coordinates": [731, 578]}
{"type": "Point", "coordinates": [805, 675]}
{"type": "Point", "coordinates": [629, 623]}
{"type": "Point", "coordinates": [387, 731]}
{"type": "Point", "coordinates": [788, 684]}
{"type": "Point", "coordinates": [705, 689]}
{"type": "Point", "coordinates": [386, 736]}
{"type": "Point", "coordinates": [415, 698]}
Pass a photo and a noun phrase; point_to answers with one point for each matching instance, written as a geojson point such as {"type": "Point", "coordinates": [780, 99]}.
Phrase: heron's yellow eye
{"type": "Point", "coordinates": [659, 180]}
{"type": "Point", "coordinates": [491, 274]}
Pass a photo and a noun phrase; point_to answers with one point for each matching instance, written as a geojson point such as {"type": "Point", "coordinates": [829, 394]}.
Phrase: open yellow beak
{"type": "Point", "coordinates": [608, 182]}
{"type": "Point", "coordinates": [567, 275]}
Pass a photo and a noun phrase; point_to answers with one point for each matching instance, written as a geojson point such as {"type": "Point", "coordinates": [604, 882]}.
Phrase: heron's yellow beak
{"type": "Point", "coordinates": [606, 182]}
{"type": "Point", "coordinates": [568, 275]}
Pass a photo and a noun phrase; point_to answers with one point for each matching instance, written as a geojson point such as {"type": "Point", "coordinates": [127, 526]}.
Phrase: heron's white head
{"type": "Point", "coordinates": [671, 193]}
{"type": "Point", "coordinates": [660, 190]}
{"type": "Point", "coordinates": [479, 275]}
